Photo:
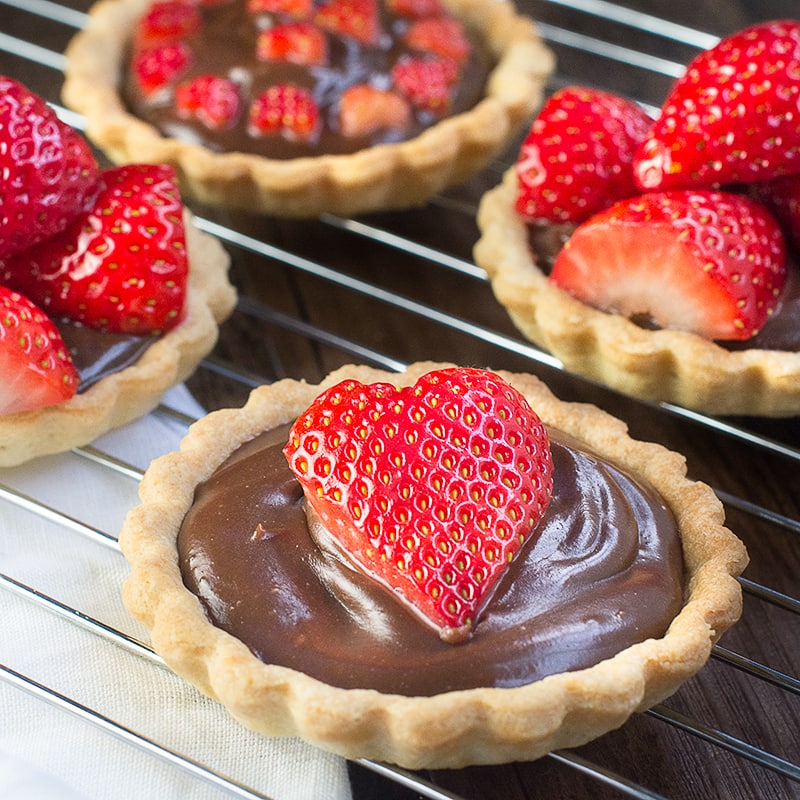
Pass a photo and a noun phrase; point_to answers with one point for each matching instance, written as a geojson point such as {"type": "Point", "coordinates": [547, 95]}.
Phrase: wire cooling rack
{"type": "Point", "coordinates": [451, 307]}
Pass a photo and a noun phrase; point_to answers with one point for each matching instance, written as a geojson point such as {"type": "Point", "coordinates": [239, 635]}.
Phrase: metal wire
{"type": "Point", "coordinates": [69, 615]}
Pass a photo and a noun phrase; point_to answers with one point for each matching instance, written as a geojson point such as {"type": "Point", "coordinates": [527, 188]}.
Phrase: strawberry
{"type": "Point", "coordinates": [295, 42]}
{"type": "Point", "coordinates": [155, 67]}
{"type": "Point", "coordinates": [357, 19]}
{"type": "Point", "coordinates": [36, 367]}
{"type": "Point", "coordinates": [416, 9]}
{"type": "Point", "coordinates": [364, 110]}
{"type": "Point", "coordinates": [47, 168]}
{"type": "Point", "coordinates": [284, 110]}
{"type": "Point", "coordinates": [293, 8]}
{"type": "Point", "coordinates": [210, 99]}
{"type": "Point", "coordinates": [441, 36]}
{"type": "Point", "coordinates": [782, 197]}
{"type": "Point", "coordinates": [167, 21]}
{"type": "Point", "coordinates": [427, 83]}
{"type": "Point", "coordinates": [707, 262]}
{"type": "Point", "coordinates": [732, 117]}
{"type": "Point", "coordinates": [430, 489]}
{"type": "Point", "coordinates": [577, 156]}
{"type": "Point", "coordinates": [122, 265]}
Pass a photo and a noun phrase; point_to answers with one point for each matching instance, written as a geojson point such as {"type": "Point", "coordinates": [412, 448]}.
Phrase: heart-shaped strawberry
{"type": "Point", "coordinates": [431, 489]}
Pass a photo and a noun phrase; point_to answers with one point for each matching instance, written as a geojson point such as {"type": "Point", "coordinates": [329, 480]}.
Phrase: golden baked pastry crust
{"type": "Point", "coordinates": [452, 729]}
{"type": "Point", "coordinates": [381, 177]}
{"type": "Point", "coordinates": [137, 389]}
{"type": "Point", "coordinates": [663, 365]}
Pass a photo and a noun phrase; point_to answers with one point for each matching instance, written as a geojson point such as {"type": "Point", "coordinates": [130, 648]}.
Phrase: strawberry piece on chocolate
{"type": "Point", "coordinates": [706, 262]}
{"type": "Point", "coordinates": [364, 110]}
{"type": "Point", "coordinates": [357, 19]}
{"type": "Point", "coordinates": [48, 170]}
{"type": "Point", "coordinates": [416, 9]}
{"type": "Point", "coordinates": [293, 42]}
{"type": "Point", "coordinates": [285, 110]}
{"type": "Point", "coordinates": [167, 21]}
{"type": "Point", "coordinates": [426, 82]}
{"type": "Point", "coordinates": [210, 99]}
{"type": "Point", "coordinates": [733, 117]}
{"type": "Point", "coordinates": [431, 489]}
{"type": "Point", "coordinates": [156, 67]}
{"type": "Point", "coordinates": [292, 8]}
{"type": "Point", "coordinates": [36, 367]}
{"type": "Point", "coordinates": [121, 266]}
{"type": "Point", "coordinates": [577, 157]}
{"type": "Point", "coordinates": [442, 36]}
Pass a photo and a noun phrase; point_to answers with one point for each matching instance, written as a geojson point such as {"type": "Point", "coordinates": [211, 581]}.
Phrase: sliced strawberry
{"type": "Point", "coordinates": [577, 157]}
{"type": "Point", "coordinates": [355, 18]}
{"type": "Point", "coordinates": [295, 42]}
{"type": "Point", "coordinates": [782, 196]}
{"type": "Point", "coordinates": [416, 9]}
{"type": "Point", "coordinates": [36, 367]}
{"type": "Point", "coordinates": [443, 36]}
{"type": "Point", "coordinates": [293, 8]}
{"type": "Point", "coordinates": [426, 82]}
{"type": "Point", "coordinates": [210, 99]}
{"type": "Point", "coordinates": [285, 110]}
{"type": "Point", "coordinates": [364, 110]}
{"type": "Point", "coordinates": [156, 67]}
{"type": "Point", "coordinates": [707, 262]}
{"type": "Point", "coordinates": [167, 21]}
{"type": "Point", "coordinates": [47, 170]}
{"type": "Point", "coordinates": [732, 117]}
{"type": "Point", "coordinates": [121, 266]}
{"type": "Point", "coordinates": [430, 489]}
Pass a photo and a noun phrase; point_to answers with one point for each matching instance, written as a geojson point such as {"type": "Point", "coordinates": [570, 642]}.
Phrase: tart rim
{"type": "Point", "coordinates": [135, 390]}
{"type": "Point", "coordinates": [452, 729]}
{"type": "Point", "coordinates": [376, 178]}
{"type": "Point", "coordinates": [658, 366]}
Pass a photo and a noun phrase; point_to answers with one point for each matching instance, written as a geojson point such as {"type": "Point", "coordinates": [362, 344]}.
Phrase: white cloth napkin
{"type": "Point", "coordinates": [47, 752]}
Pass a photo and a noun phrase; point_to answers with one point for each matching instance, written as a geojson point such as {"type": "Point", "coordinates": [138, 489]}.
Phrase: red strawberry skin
{"type": "Point", "coordinates": [36, 367]}
{"type": "Point", "coordinates": [48, 170]}
{"type": "Point", "coordinates": [122, 266]}
{"type": "Point", "coordinates": [285, 110]}
{"type": "Point", "coordinates": [430, 489]}
{"type": "Point", "coordinates": [732, 118]}
{"type": "Point", "coordinates": [577, 158]}
{"type": "Point", "coordinates": [297, 42]}
{"type": "Point", "coordinates": [707, 262]}
{"type": "Point", "coordinates": [211, 99]}
{"type": "Point", "coordinates": [358, 19]}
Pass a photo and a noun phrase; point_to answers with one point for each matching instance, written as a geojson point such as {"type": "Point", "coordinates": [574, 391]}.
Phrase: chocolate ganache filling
{"type": "Point", "coordinates": [225, 45]}
{"type": "Point", "coordinates": [98, 354]}
{"type": "Point", "coordinates": [605, 572]}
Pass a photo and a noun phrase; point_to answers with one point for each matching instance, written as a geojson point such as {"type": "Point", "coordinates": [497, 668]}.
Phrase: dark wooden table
{"type": "Point", "coordinates": [319, 294]}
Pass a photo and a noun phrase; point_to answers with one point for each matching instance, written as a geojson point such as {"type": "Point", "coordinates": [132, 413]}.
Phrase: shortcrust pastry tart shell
{"type": "Point", "coordinates": [452, 729]}
{"type": "Point", "coordinates": [132, 392]}
{"type": "Point", "coordinates": [653, 365]}
{"type": "Point", "coordinates": [377, 178]}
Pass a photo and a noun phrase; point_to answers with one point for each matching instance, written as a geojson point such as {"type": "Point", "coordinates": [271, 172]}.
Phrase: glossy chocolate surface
{"type": "Point", "coordinates": [226, 45]}
{"type": "Point", "coordinates": [97, 354]}
{"type": "Point", "coordinates": [605, 572]}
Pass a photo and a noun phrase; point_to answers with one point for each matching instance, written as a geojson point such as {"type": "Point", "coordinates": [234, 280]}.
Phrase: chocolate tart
{"type": "Point", "coordinates": [438, 729]}
{"type": "Point", "coordinates": [654, 365]}
{"type": "Point", "coordinates": [384, 176]}
{"type": "Point", "coordinates": [136, 389]}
